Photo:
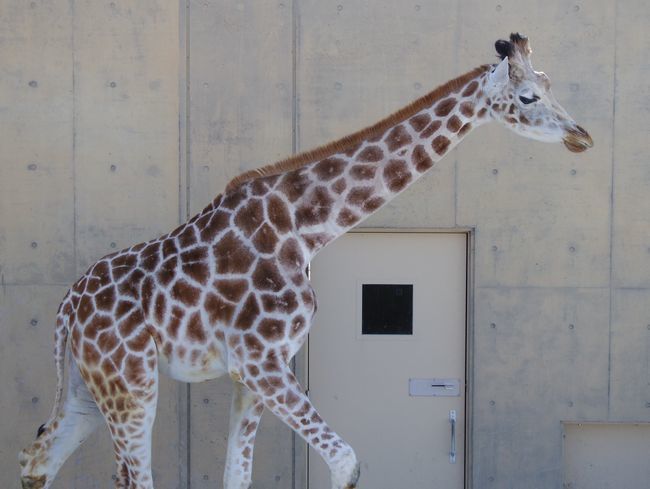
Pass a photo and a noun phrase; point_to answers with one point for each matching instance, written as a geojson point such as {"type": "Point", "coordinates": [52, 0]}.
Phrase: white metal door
{"type": "Point", "coordinates": [360, 382]}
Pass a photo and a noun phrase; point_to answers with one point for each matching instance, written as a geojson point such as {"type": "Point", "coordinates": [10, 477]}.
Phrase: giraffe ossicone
{"type": "Point", "coordinates": [227, 292]}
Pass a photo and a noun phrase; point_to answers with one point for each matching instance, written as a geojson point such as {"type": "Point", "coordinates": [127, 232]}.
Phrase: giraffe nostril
{"type": "Point", "coordinates": [582, 132]}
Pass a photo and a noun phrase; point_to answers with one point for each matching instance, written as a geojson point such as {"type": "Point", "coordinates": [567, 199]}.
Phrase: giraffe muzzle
{"type": "Point", "coordinates": [577, 139]}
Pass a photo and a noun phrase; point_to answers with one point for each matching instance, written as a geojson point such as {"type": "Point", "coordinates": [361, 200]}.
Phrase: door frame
{"type": "Point", "coordinates": [301, 361]}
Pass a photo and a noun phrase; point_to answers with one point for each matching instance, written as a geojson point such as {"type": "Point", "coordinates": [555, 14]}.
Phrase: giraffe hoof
{"type": "Point", "coordinates": [29, 482]}
{"type": "Point", "coordinates": [354, 477]}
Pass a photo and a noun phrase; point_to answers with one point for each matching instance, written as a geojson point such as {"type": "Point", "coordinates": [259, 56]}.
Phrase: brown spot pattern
{"type": "Point", "coordinates": [90, 354]}
{"type": "Point", "coordinates": [397, 138]}
{"type": "Point", "coordinates": [363, 172]}
{"type": "Point", "coordinates": [122, 265]}
{"type": "Point", "coordinates": [184, 292]}
{"type": "Point", "coordinates": [250, 217]}
{"type": "Point", "coordinates": [97, 324]}
{"type": "Point", "coordinates": [370, 154]}
{"type": "Point", "coordinates": [421, 159]}
{"type": "Point", "coordinates": [261, 186]}
{"type": "Point", "coordinates": [198, 271]}
{"type": "Point", "coordinates": [248, 314]}
{"type": "Point", "coordinates": [265, 239]}
{"type": "Point", "coordinates": [195, 330]}
{"type": "Point", "coordinates": [397, 175]}
{"type": "Point", "coordinates": [470, 88]}
{"type": "Point", "coordinates": [454, 123]}
{"type": "Point", "coordinates": [347, 218]}
{"type": "Point", "coordinates": [105, 298]}
{"type": "Point", "coordinates": [420, 121]}
{"type": "Point", "coordinates": [169, 247]}
{"type": "Point", "coordinates": [267, 276]}
{"type": "Point", "coordinates": [128, 324]}
{"type": "Point", "coordinates": [232, 256]}
{"type": "Point", "coordinates": [316, 210]}
{"type": "Point", "coordinates": [297, 326]}
{"type": "Point", "coordinates": [339, 186]}
{"type": "Point", "coordinates": [316, 241]}
{"type": "Point", "coordinates": [149, 257]}
{"type": "Point", "coordinates": [291, 257]}
{"type": "Point", "coordinates": [232, 199]}
{"type": "Point", "coordinates": [232, 290]}
{"type": "Point", "coordinates": [123, 307]}
{"type": "Point", "coordinates": [85, 308]}
{"type": "Point", "coordinates": [131, 285]}
{"type": "Point", "coordinates": [134, 372]}
{"type": "Point", "coordinates": [444, 107]}
{"type": "Point", "coordinates": [254, 347]}
{"type": "Point", "coordinates": [107, 341]}
{"type": "Point", "coordinates": [218, 222]}
{"type": "Point", "coordinates": [464, 130]}
{"type": "Point", "coordinates": [467, 109]}
{"type": "Point", "coordinates": [285, 303]}
{"type": "Point", "coordinates": [294, 184]}
{"type": "Point", "coordinates": [271, 329]}
{"type": "Point", "coordinates": [219, 311]}
{"type": "Point", "coordinates": [160, 308]}
{"type": "Point", "coordinates": [167, 271]}
{"type": "Point", "coordinates": [362, 197]}
{"type": "Point", "coordinates": [431, 129]}
{"type": "Point", "coordinates": [187, 237]}
{"type": "Point", "coordinates": [329, 168]}
{"type": "Point", "coordinates": [139, 342]}
{"type": "Point", "coordinates": [278, 214]}
{"type": "Point", "coordinates": [440, 144]}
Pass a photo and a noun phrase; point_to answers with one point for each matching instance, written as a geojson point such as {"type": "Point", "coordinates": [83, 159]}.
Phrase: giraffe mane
{"type": "Point", "coordinates": [298, 161]}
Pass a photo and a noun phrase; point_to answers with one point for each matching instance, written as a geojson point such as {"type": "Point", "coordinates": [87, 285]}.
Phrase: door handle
{"type": "Point", "coordinates": [452, 449]}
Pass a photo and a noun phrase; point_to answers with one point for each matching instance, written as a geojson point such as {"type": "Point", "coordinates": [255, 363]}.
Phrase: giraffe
{"type": "Point", "coordinates": [228, 291]}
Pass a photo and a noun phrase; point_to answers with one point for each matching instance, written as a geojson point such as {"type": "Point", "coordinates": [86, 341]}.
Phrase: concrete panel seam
{"type": "Point", "coordinates": [611, 211]}
{"type": "Point", "coordinates": [74, 136]}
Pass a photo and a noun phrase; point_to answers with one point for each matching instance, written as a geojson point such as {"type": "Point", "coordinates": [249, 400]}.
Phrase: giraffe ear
{"type": "Point", "coordinates": [499, 77]}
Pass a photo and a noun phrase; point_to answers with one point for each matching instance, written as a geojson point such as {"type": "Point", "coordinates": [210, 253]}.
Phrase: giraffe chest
{"type": "Point", "coordinates": [195, 364]}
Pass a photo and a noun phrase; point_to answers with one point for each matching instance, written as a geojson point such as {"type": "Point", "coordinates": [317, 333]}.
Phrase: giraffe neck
{"type": "Point", "coordinates": [342, 189]}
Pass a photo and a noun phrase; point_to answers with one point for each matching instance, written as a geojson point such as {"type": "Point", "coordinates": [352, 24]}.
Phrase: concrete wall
{"type": "Point", "coordinates": [117, 119]}
{"type": "Point", "coordinates": [89, 134]}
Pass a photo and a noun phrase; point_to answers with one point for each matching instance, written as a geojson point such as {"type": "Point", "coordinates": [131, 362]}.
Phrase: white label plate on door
{"type": "Point", "coordinates": [434, 387]}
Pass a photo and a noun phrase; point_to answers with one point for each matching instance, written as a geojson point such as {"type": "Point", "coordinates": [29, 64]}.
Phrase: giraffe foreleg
{"type": "Point", "coordinates": [60, 436]}
{"type": "Point", "coordinates": [282, 394]}
{"type": "Point", "coordinates": [245, 413]}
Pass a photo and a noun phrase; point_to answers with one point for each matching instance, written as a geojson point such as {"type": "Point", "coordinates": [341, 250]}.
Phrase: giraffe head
{"type": "Point", "coordinates": [521, 99]}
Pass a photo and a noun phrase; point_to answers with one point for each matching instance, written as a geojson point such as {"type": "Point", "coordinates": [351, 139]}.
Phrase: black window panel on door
{"type": "Point", "coordinates": [387, 309]}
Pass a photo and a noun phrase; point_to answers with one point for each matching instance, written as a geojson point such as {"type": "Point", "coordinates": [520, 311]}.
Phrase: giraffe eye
{"type": "Point", "coordinates": [526, 100]}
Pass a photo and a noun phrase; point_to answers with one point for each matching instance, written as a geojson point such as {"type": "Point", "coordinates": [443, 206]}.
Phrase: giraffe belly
{"type": "Point", "coordinates": [196, 366]}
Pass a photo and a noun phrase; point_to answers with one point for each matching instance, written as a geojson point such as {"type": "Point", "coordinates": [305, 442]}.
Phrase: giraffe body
{"type": "Point", "coordinates": [228, 292]}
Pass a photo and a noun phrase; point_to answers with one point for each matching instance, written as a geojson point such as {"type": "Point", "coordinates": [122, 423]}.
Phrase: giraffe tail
{"type": "Point", "coordinates": [60, 340]}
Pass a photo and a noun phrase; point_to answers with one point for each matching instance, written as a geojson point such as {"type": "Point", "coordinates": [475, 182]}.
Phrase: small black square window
{"type": "Point", "coordinates": [387, 309]}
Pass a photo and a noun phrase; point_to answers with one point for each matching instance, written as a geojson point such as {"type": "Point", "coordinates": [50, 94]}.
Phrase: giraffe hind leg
{"type": "Point", "coordinates": [245, 413]}
{"type": "Point", "coordinates": [57, 439]}
{"type": "Point", "coordinates": [127, 398]}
